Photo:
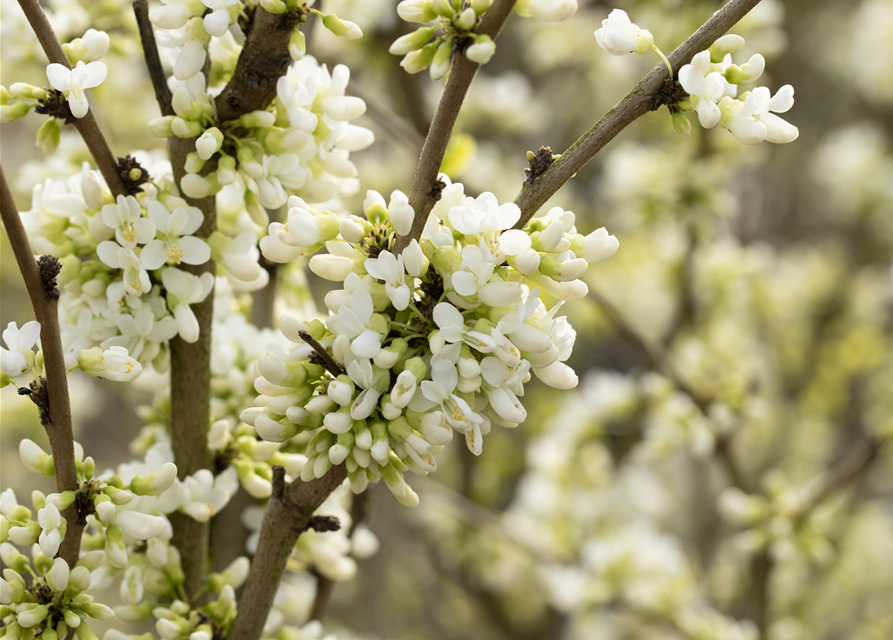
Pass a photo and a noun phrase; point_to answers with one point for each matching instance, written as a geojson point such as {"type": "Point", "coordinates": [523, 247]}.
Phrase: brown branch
{"type": "Point", "coordinates": [153, 61]}
{"type": "Point", "coordinates": [264, 59]}
{"type": "Point", "coordinates": [327, 361]}
{"type": "Point", "coordinates": [853, 466]}
{"type": "Point", "coordinates": [191, 393]}
{"type": "Point", "coordinates": [659, 361]}
{"type": "Point", "coordinates": [635, 104]}
{"type": "Point", "coordinates": [399, 128]}
{"type": "Point", "coordinates": [324, 586]}
{"type": "Point", "coordinates": [287, 515]}
{"type": "Point", "coordinates": [45, 301]}
{"type": "Point", "coordinates": [86, 126]}
{"type": "Point", "coordinates": [462, 71]}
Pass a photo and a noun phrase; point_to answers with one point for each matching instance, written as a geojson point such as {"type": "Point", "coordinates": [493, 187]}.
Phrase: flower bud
{"type": "Point", "coordinates": [681, 123]}
{"type": "Point", "coordinates": [161, 127]}
{"type": "Point", "coordinates": [467, 19]}
{"type": "Point", "coordinates": [413, 62]}
{"type": "Point", "coordinates": [297, 46]}
{"type": "Point", "coordinates": [724, 45]}
{"type": "Point", "coordinates": [440, 63]}
{"type": "Point", "coordinates": [209, 143]}
{"type": "Point", "coordinates": [36, 459]}
{"type": "Point", "coordinates": [411, 41]}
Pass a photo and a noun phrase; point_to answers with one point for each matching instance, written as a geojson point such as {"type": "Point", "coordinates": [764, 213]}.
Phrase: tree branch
{"type": "Point", "coordinates": [153, 61]}
{"type": "Point", "coordinates": [462, 72]}
{"type": "Point", "coordinates": [658, 359]}
{"type": "Point", "coordinates": [86, 126]}
{"type": "Point", "coordinates": [264, 59]}
{"type": "Point", "coordinates": [399, 128]}
{"type": "Point", "coordinates": [287, 515]}
{"type": "Point", "coordinates": [635, 104]}
{"type": "Point", "coordinates": [45, 301]}
{"type": "Point", "coordinates": [855, 464]}
{"type": "Point", "coordinates": [191, 392]}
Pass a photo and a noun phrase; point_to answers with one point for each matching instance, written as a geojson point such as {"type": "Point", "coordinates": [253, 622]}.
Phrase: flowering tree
{"type": "Point", "coordinates": [447, 305]}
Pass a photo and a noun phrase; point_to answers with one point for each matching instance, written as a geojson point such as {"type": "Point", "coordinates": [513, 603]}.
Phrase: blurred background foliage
{"type": "Point", "coordinates": [734, 355]}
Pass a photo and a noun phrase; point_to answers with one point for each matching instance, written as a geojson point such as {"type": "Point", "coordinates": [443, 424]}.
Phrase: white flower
{"type": "Point", "coordinates": [706, 88]}
{"type": "Point", "coordinates": [389, 268]}
{"type": "Point", "coordinates": [19, 358]}
{"type": "Point", "coordinates": [50, 521]}
{"type": "Point", "coordinates": [598, 246]}
{"type": "Point", "coordinates": [754, 122]}
{"type": "Point", "coordinates": [136, 278]}
{"type": "Point", "coordinates": [141, 334]}
{"type": "Point", "coordinates": [355, 321]}
{"type": "Point", "coordinates": [74, 81]}
{"type": "Point", "coordinates": [126, 218]}
{"type": "Point", "coordinates": [500, 379]}
{"type": "Point", "coordinates": [217, 21]}
{"type": "Point", "coordinates": [618, 36]}
{"type": "Point", "coordinates": [276, 170]}
{"type": "Point", "coordinates": [493, 223]}
{"type": "Point", "coordinates": [548, 11]}
{"type": "Point", "coordinates": [476, 279]}
{"type": "Point", "coordinates": [481, 51]}
{"type": "Point", "coordinates": [96, 44]}
{"type": "Point", "coordinates": [131, 589]}
{"type": "Point", "coordinates": [206, 495]}
{"type": "Point", "coordinates": [452, 325]}
{"type": "Point", "coordinates": [183, 290]}
{"type": "Point", "coordinates": [174, 243]}
{"type": "Point", "coordinates": [59, 575]}
{"type": "Point", "coordinates": [113, 364]}
{"type": "Point", "coordinates": [439, 391]}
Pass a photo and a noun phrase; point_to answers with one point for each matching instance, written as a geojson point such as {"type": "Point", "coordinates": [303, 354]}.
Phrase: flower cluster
{"type": "Point", "coordinates": [439, 338]}
{"type": "Point", "coordinates": [54, 604]}
{"type": "Point", "coordinates": [122, 282]}
{"type": "Point", "coordinates": [300, 146]}
{"type": "Point", "coordinates": [454, 28]}
{"type": "Point", "coordinates": [712, 81]}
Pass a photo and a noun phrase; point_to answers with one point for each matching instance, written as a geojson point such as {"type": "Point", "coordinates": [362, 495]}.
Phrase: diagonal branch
{"type": "Point", "coordinates": [462, 71]}
{"type": "Point", "coordinates": [635, 104]}
{"type": "Point", "coordinates": [45, 301]}
{"type": "Point", "coordinates": [86, 126]}
{"type": "Point", "coordinates": [659, 361]}
{"type": "Point", "coordinates": [153, 60]}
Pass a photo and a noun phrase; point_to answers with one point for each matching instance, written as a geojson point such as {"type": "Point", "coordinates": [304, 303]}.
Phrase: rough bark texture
{"type": "Point", "coordinates": [58, 412]}
{"type": "Point", "coordinates": [462, 71]}
{"type": "Point", "coordinates": [263, 60]}
{"type": "Point", "coordinates": [287, 515]}
{"type": "Point", "coordinates": [635, 104]}
{"type": "Point", "coordinates": [153, 61]}
{"type": "Point", "coordinates": [191, 394]}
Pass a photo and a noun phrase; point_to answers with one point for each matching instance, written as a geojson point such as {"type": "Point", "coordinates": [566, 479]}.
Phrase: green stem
{"type": "Point", "coordinates": [664, 58]}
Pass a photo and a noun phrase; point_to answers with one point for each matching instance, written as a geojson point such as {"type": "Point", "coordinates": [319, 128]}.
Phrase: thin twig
{"type": "Point", "coordinates": [659, 360]}
{"type": "Point", "coordinates": [324, 586]}
{"type": "Point", "coordinates": [45, 302]}
{"type": "Point", "coordinates": [399, 128]}
{"type": "Point", "coordinates": [327, 361]}
{"type": "Point", "coordinates": [86, 126]}
{"type": "Point", "coordinates": [462, 71]}
{"type": "Point", "coordinates": [153, 60]}
{"type": "Point", "coordinates": [635, 104]}
{"type": "Point", "coordinates": [855, 464]}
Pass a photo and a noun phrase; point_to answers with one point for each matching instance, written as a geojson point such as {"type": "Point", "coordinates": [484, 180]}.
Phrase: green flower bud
{"type": "Point", "coordinates": [297, 46]}
{"type": "Point", "coordinates": [12, 112]}
{"type": "Point", "coordinates": [341, 28]}
{"type": "Point", "coordinates": [419, 60]}
{"type": "Point", "coordinates": [22, 91]}
{"type": "Point", "coordinates": [681, 123]}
